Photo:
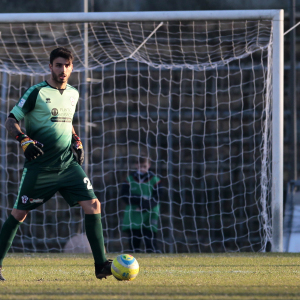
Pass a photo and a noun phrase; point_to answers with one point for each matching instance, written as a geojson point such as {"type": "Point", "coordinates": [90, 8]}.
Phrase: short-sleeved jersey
{"type": "Point", "coordinates": [48, 116]}
{"type": "Point", "coordinates": [143, 189]}
{"type": "Point", "coordinates": [134, 217]}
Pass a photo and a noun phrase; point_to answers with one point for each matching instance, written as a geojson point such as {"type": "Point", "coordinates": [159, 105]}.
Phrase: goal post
{"type": "Point", "coordinates": [175, 80]}
{"type": "Point", "coordinates": [278, 110]}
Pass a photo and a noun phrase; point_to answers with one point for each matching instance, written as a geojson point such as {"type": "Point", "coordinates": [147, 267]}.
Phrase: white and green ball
{"type": "Point", "coordinates": [125, 267]}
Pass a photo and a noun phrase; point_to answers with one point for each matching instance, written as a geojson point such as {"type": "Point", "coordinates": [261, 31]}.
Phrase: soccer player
{"type": "Point", "coordinates": [141, 192]}
{"type": "Point", "coordinates": [50, 166]}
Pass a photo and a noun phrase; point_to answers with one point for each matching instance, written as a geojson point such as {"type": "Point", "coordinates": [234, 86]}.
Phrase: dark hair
{"type": "Point", "coordinates": [61, 52]}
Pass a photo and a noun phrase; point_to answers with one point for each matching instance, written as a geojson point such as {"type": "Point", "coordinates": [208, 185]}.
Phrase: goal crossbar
{"type": "Point", "coordinates": [80, 17]}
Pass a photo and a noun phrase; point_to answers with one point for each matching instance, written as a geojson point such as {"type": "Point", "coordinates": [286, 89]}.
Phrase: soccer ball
{"type": "Point", "coordinates": [125, 267]}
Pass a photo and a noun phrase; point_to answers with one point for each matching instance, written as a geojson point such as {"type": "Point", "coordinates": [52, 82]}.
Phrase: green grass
{"type": "Point", "coordinates": [162, 276]}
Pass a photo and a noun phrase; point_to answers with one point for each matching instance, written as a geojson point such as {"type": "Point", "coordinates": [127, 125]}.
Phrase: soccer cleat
{"type": "Point", "coordinates": [103, 270]}
{"type": "Point", "coordinates": [1, 277]}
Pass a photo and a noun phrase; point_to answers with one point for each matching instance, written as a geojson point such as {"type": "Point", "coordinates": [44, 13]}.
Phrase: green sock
{"type": "Point", "coordinates": [94, 233]}
{"type": "Point", "coordinates": [7, 234]}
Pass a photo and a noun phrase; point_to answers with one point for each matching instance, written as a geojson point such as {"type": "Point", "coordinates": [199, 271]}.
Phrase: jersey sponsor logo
{"type": "Point", "coordinates": [48, 100]}
{"type": "Point", "coordinates": [61, 119]}
{"type": "Point", "coordinates": [72, 101]}
{"type": "Point", "coordinates": [36, 200]}
{"type": "Point", "coordinates": [21, 102]}
{"type": "Point", "coordinates": [65, 114]}
{"type": "Point", "coordinates": [24, 199]}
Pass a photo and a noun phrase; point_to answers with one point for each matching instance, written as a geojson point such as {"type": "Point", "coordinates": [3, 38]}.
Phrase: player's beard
{"type": "Point", "coordinates": [57, 79]}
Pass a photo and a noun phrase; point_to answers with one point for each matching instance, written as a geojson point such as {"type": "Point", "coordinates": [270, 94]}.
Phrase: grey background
{"type": "Point", "coordinates": [15, 6]}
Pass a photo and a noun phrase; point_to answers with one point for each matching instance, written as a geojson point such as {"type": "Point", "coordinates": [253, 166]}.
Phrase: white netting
{"type": "Point", "coordinates": [195, 95]}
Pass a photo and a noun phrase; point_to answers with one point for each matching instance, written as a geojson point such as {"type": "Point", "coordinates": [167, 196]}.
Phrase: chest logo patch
{"type": "Point", "coordinates": [54, 112]}
{"type": "Point", "coordinates": [65, 114]}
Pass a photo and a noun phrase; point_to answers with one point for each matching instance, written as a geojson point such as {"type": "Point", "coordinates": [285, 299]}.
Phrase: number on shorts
{"type": "Point", "coordinates": [88, 183]}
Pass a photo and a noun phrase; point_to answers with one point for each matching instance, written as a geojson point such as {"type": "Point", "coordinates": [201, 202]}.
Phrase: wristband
{"type": "Point", "coordinates": [77, 141]}
{"type": "Point", "coordinates": [75, 137]}
{"type": "Point", "coordinates": [21, 136]}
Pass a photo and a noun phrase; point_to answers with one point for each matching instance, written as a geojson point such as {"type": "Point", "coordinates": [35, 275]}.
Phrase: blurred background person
{"type": "Point", "coordinates": [141, 193]}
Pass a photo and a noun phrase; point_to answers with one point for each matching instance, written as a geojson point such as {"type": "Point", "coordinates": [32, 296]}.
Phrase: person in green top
{"type": "Point", "coordinates": [54, 155]}
{"type": "Point", "coordinates": [141, 193]}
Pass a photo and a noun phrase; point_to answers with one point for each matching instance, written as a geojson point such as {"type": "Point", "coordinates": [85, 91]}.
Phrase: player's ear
{"type": "Point", "coordinates": [50, 67]}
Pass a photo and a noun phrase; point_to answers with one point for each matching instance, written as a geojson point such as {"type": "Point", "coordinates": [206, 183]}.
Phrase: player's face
{"type": "Point", "coordinates": [61, 70]}
{"type": "Point", "coordinates": [143, 168]}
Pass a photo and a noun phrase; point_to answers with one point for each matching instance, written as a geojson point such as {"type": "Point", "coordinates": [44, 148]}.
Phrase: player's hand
{"type": "Point", "coordinates": [32, 149]}
{"type": "Point", "coordinates": [78, 148]}
{"type": "Point", "coordinates": [148, 203]}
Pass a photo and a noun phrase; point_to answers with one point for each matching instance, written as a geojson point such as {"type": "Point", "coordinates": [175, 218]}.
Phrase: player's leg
{"type": "Point", "coordinates": [94, 231]}
{"type": "Point", "coordinates": [32, 193]}
{"type": "Point", "coordinates": [8, 232]}
{"type": "Point", "coordinates": [150, 240]}
{"type": "Point", "coordinates": [77, 189]}
{"type": "Point", "coordinates": [150, 230]}
{"type": "Point", "coordinates": [131, 239]}
{"type": "Point", "coordinates": [136, 238]}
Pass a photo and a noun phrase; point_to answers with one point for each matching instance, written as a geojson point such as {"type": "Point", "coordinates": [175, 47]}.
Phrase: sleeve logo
{"type": "Point", "coordinates": [21, 102]}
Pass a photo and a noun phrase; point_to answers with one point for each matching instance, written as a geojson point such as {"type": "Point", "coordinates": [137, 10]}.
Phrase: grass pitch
{"type": "Point", "coordinates": [162, 276]}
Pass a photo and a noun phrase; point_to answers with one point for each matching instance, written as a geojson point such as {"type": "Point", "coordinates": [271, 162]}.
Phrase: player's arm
{"type": "Point", "coordinates": [127, 198]}
{"type": "Point", "coordinates": [12, 126]}
{"type": "Point", "coordinates": [125, 192]}
{"type": "Point", "coordinates": [32, 149]}
{"type": "Point", "coordinates": [77, 147]}
{"type": "Point", "coordinates": [156, 195]}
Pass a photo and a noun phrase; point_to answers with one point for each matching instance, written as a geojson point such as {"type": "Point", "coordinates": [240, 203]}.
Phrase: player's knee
{"type": "Point", "coordinates": [19, 215]}
{"type": "Point", "coordinates": [91, 206]}
{"type": "Point", "coordinates": [95, 204]}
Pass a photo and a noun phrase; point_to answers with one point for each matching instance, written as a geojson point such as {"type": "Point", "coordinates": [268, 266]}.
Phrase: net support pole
{"type": "Point", "coordinates": [292, 94]}
{"type": "Point", "coordinates": [277, 134]}
{"type": "Point", "coordinates": [170, 174]}
{"type": "Point", "coordinates": [84, 92]}
{"type": "Point", "coordinates": [3, 148]}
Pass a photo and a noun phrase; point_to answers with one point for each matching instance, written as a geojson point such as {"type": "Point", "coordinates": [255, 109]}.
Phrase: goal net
{"type": "Point", "coordinates": [196, 95]}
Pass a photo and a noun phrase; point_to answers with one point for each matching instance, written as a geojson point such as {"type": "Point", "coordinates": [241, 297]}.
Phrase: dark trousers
{"type": "Point", "coordinates": [142, 237]}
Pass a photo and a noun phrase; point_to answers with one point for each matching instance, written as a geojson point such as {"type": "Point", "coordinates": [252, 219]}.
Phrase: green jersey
{"type": "Point", "coordinates": [48, 114]}
{"type": "Point", "coordinates": [134, 218]}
